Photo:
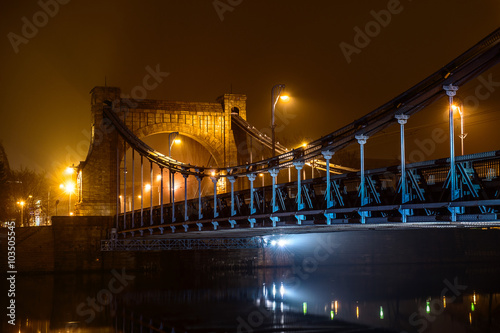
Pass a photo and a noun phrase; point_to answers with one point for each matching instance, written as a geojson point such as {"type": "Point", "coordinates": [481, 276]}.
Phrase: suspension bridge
{"type": "Point", "coordinates": [457, 191]}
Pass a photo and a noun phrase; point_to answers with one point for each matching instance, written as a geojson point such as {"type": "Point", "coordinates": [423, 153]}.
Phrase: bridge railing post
{"type": "Point", "coordinates": [200, 208]}
{"type": "Point", "coordinates": [172, 189]}
{"type": "Point", "coordinates": [161, 195]}
{"type": "Point", "coordinates": [451, 91]}
{"type": "Point", "coordinates": [251, 177]}
{"type": "Point", "coordinates": [328, 192]}
{"type": "Point", "coordinates": [124, 185]}
{"type": "Point", "coordinates": [151, 194]}
{"type": "Point", "coordinates": [274, 174]}
{"type": "Point", "coordinates": [299, 165]}
{"type": "Point", "coordinates": [215, 180]}
{"type": "Point", "coordinates": [133, 193]}
{"type": "Point", "coordinates": [362, 187]}
{"type": "Point", "coordinates": [405, 197]}
{"type": "Point", "coordinates": [232, 179]}
{"type": "Point", "coordinates": [274, 207]}
{"type": "Point", "coordinates": [142, 191]}
{"type": "Point", "coordinates": [300, 205]}
{"type": "Point", "coordinates": [117, 188]}
{"type": "Point", "coordinates": [186, 217]}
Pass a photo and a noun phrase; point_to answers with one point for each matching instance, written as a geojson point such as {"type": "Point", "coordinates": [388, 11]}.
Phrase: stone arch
{"type": "Point", "coordinates": [212, 144]}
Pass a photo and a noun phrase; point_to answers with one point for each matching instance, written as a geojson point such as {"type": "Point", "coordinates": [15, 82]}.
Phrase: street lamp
{"type": "Point", "coordinates": [462, 135]}
{"type": "Point", "coordinates": [69, 188]}
{"type": "Point", "coordinates": [21, 203]}
{"type": "Point", "coordinates": [276, 92]}
{"type": "Point", "coordinates": [171, 140]}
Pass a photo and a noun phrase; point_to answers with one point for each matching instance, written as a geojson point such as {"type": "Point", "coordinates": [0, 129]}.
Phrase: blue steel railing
{"type": "Point", "coordinates": [427, 184]}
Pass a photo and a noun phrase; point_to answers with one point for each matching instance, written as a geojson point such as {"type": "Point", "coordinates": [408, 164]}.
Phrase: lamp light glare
{"type": "Point", "coordinates": [285, 98]}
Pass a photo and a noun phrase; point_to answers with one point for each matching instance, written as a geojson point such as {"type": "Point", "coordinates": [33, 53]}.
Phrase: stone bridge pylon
{"type": "Point", "coordinates": [207, 123]}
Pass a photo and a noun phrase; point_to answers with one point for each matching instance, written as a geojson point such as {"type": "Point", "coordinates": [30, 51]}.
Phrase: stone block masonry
{"type": "Point", "coordinates": [207, 123]}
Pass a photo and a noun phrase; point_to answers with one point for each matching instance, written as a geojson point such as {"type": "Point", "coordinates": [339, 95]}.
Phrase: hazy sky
{"type": "Point", "coordinates": [50, 62]}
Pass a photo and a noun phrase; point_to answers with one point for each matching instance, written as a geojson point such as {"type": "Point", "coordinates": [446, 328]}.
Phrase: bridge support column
{"type": "Point", "coordinates": [362, 188]}
{"type": "Point", "coordinates": [300, 205]}
{"type": "Point", "coordinates": [328, 193]}
{"type": "Point", "coordinates": [215, 180]}
{"type": "Point", "coordinates": [251, 178]}
{"type": "Point", "coordinates": [232, 179]}
{"type": "Point", "coordinates": [451, 91]}
{"type": "Point", "coordinates": [172, 191]}
{"type": "Point", "coordinates": [200, 208]}
{"type": "Point", "coordinates": [186, 217]}
{"type": "Point", "coordinates": [405, 196]}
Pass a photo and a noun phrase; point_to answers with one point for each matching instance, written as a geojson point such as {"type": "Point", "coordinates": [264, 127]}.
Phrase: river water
{"type": "Point", "coordinates": [339, 298]}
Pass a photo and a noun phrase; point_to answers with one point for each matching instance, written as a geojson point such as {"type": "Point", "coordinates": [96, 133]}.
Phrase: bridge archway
{"type": "Point", "coordinates": [213, 145]}
{"type": "Point", "coordinates": [207, 123]}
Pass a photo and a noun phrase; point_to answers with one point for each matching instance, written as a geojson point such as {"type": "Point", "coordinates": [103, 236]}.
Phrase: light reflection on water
{"type": "Point", "coordinates": [394, 297]}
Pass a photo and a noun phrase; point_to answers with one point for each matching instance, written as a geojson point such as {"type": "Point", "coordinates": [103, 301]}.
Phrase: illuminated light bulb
{"type": "Point", "coordinates": [444, 302]}
{"type": "Point", "coordinates": [304, 307]}
{"type": "Point", "coordinates": [357, 312]}
{"type": "Point", "coordinates": [332, 314]}
{"type": "Point", "coordinates": [381, 312]}
{"type": "Point", "coordinates": [177, 141]}
{"type": "Point", "coordinates": [274, 290]}
{"type": "Point", "coordinates": [285, 98]}
{"type": "Point", "coordinates": [282, 290]}
{"type": "Point", "coordinates": [281, 243]}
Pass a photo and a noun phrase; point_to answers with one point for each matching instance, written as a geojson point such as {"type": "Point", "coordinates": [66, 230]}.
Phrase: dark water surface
{"type": "Point", "coordinates": [347, 298]}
